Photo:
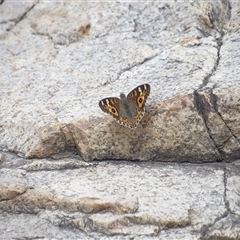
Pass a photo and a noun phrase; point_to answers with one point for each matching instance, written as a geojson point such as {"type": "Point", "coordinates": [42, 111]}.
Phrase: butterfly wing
{"type": "Point", "coordinates": [111, 106]}
{"type": "Point", "coordinates": [137, 99]}
{"type": "Point", "coordinates": [139, 96]}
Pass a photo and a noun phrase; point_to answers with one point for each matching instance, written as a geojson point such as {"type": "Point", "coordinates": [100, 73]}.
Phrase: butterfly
{"type": "Point", "coordinates": [128, 110]}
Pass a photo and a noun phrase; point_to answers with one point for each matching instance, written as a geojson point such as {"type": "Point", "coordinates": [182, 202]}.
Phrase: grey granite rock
{"type": "Point", "coordinates": [116, 199]}
{"type": "Point", "coordinates": [58, 59]}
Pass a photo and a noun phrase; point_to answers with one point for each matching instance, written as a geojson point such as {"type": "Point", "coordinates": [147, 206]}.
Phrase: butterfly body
{"type": "Point", "coordinates": [128, 110]}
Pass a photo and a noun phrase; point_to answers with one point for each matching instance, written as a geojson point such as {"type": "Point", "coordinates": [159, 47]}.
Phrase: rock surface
{"type": "Point", "coordinates": [71, 199]}
{"type": "Point", "coordinates": [59, 59]}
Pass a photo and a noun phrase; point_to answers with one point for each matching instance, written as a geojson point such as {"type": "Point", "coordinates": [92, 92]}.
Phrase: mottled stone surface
{"type": "Point", "coordinates": [113, 199]}
{"type": "Point", "coordinates": [58, 59]}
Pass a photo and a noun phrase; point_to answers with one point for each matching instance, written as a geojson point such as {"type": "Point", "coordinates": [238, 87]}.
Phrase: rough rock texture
{"type": "Point", "coordinates": [118, 200]}
{"type": "Point", "coordinates": [58, 59]}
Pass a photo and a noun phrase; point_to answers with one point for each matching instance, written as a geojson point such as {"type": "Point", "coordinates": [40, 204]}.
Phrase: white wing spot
{"type": "Point", "coordinates": [140, 90]}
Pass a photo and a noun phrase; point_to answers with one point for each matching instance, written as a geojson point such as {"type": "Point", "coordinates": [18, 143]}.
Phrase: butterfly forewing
{"type": "Point", "coordinates": [139, 95]}
{"type": "Point", "coordinates": [111, 105]}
